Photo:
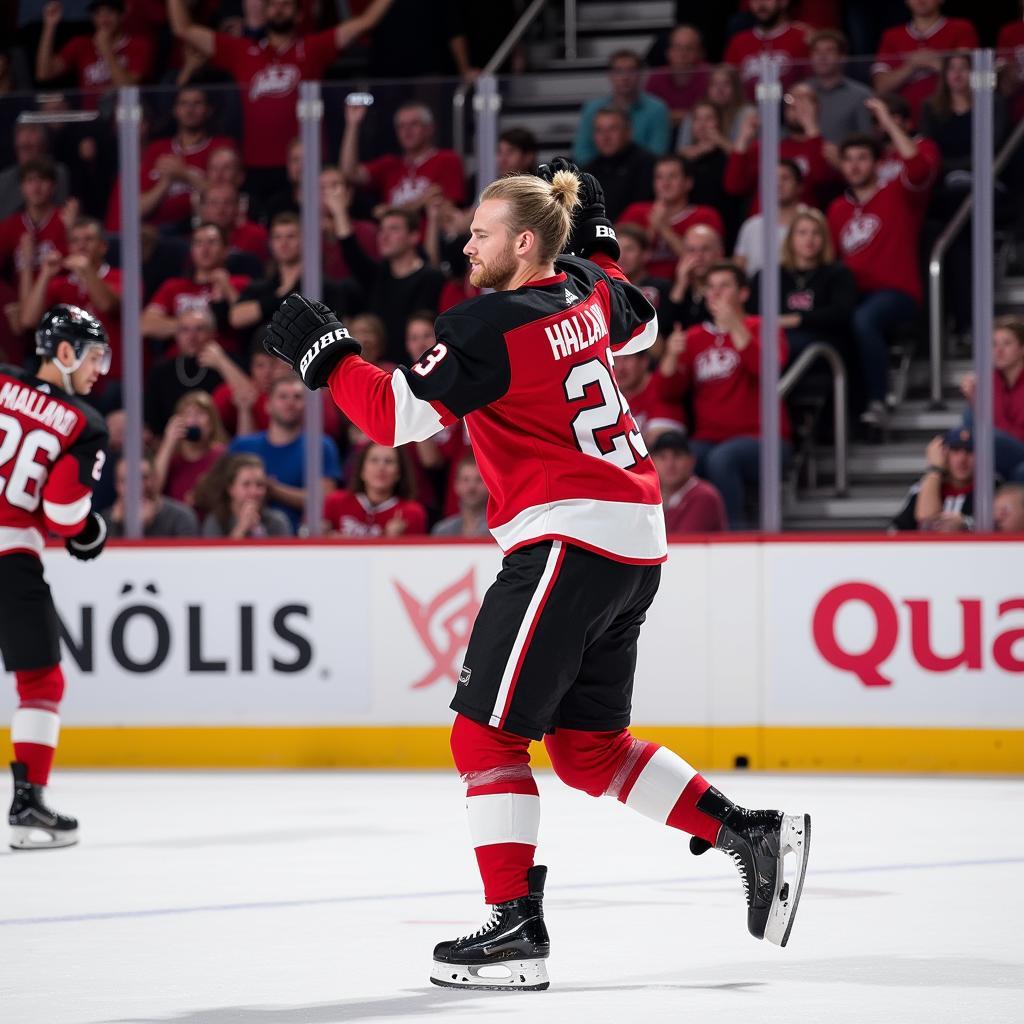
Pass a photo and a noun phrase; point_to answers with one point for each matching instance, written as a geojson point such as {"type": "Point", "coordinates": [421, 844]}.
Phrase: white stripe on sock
{"type": "Point", "coordinates": [503, 818]}
{"type": "Point", "coordinates": [660, 784]}
{"type": "Point", "coordinates": [33, 725]}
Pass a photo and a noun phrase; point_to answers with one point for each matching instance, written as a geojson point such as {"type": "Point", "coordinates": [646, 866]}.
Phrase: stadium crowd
{"type": "Point", "coordinates": [875, 157]}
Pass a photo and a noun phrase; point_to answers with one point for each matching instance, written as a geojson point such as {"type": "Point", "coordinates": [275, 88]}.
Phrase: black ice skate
{"type": "Point", "coordinates": [758, 842]}
{"type": "Point", "coordinates": [33, 825]}
{"type": "Point", "coordinates": [508, 952]}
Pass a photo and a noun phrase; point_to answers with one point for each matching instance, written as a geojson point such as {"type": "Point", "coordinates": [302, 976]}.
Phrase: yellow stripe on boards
{"type": "Point", "coordinates": [409, 747]}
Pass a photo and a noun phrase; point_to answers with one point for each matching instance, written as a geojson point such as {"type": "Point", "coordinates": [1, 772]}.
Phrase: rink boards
{"type": "Point", "coordinates": [812, 654]}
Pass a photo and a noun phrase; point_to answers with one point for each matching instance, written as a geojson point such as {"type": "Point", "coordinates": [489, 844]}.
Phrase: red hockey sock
{"type": "Point", "coordinates": [35, 725]}
{"type": "Point", "coordinates": [502, 803]}
{"type": "Point", "coordinates": [645, 776]}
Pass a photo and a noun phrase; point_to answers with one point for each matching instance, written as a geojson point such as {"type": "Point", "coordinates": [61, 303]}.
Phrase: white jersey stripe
{"type": "Point", "coordinates": [621, 529]}
{"type": "Point", "coordinates": [525, 627]}
{"type": "Point", "coordinates": [33, 725]}
{"type": "Point", "coordinates": [503, 818]}
{"type": "Point", "coordinates": [415, 419]}
{"type": "Point", "coordinates": [640, 341]}
{"type": "Point", "coordinates": [660, 785]}
{"type": "Point", "coordinates": [14, 538]}
{"type": "Point", "coordinates": [67, 515]}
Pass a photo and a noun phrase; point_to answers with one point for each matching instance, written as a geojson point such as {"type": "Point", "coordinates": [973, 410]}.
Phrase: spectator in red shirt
{"type": "Point", "coordinates": [242, 404]}
{"type": "Point", "coordinates": [87, 281]}
{"type": "Point", "coordinates": [269, 72]}
{"type": "Point", "coordinates": [1007, 396]}
{"type": "Point", "coordinates": [875, 228]}
{"type": "Point", "coordinates": [942, 501]}
{"type": "Point", "coordinates": [909, 57]}
{"type": "Point", "coordinates": [685, 79]}
{"type": "Point", "coordinates": [403, 179]}
{"type": "Point", "coordinates": [803, 144]}
{"type": "Point", "coordinates": [380, 499]}
{"type": "Point", "coordinates": [220, 205]}
{"type": "Point", "coordinates": [192, 443]}
{"type": "Point", "coordinates": [209, 286]}
{"type": "Point", "coordinates": [893, 163]}
{"type": "Point", "coordinates": [773, 33]}
{"type": "Point", "coordinates": [29, 236]}
{"type": "Point", "coordinates": [670, 215]}
{"type": "Point", "coordinates": [108, 59]}
{"type": "Point", "coordinates": [691, 505]}
{"type": "Point", "coordinates": [638, 381]}
{"type": "Point", "coordinates": [174, 170]}
{"type": "Point", "coordinates": [719, 363]}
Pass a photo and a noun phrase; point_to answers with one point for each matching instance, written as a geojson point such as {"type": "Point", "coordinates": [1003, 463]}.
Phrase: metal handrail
{"type": "Point", "coordinates": [789, 380]}
{"type": "Point", "coordinates": [942, 243]}
{"type": "Point", "coordinates": [499, 58]}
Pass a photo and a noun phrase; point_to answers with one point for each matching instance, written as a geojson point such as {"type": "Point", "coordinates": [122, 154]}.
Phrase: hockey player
{"type": "Point", "coordinates": [51, 454]}
{"type": "Point", "coordinates": [576, 508]}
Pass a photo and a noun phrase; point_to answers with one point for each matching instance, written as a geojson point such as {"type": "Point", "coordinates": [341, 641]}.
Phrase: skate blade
{"type": "Point", "coordinates": [508, 976]}
{"type": "Point", "coordinates": [35, 838]}
{"type": "Point", "coordinates": [795, 840]}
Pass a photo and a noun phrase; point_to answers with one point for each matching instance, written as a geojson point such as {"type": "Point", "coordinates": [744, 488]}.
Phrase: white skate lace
{"type": "Point", "coordinates": [492, 922]}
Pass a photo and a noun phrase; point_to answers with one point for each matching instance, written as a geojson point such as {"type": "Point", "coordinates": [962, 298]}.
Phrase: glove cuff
{"type": "Point", "coordinates": [92, 535]}
{"type": "Point", "coordinates": [323, 354]}
{"type": "Point", "coordinates": [596, 235]}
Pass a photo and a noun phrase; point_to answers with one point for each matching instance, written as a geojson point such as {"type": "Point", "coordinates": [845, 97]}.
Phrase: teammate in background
{"type": "Point", "coordinates": [575, 505]}
{"type": "Point", "coordinates": [51, 455]}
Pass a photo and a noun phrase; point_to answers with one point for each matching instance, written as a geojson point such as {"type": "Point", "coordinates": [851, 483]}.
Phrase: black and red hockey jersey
{"type": "Point", "coordinates": [51, 455]}
{"type": "Point", "coordinates": [530, 370]}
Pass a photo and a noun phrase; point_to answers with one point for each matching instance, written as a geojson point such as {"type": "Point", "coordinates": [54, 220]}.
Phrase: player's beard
{"type": "Point", "coordinates": [496, 274]}
{"type": "Point", "coordinates": [282, 26]}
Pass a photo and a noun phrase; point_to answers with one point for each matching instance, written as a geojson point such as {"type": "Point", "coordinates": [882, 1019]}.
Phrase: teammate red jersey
{"type": "Point", "coordinates": [51, 454]}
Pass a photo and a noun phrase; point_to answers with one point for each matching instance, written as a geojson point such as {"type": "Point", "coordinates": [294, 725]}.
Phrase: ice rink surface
{"type": "Point", "coordinates": [311, 898]}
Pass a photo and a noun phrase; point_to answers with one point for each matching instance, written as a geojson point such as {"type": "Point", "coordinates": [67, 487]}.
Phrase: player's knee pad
{"type": "Point", "coordinates": [477, 747]}
{"type": "Point", "coordinates": [587, 760]}
{"type": "Point", "coordinates": [40, 687]}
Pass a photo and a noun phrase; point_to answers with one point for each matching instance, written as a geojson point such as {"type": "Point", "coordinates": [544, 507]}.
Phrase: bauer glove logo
{"type": "Point", "coordinates": [604, 231]}
{"type": "Point", "coordinates": [325, 340]}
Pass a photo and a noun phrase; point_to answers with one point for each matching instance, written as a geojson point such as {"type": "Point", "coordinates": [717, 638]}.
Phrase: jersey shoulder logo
{"type": "Point", "coordinates": [570, 298]}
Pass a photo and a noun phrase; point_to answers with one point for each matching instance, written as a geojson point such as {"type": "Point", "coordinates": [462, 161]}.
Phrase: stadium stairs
{"type": "Point", "coordinates": [547, 99]}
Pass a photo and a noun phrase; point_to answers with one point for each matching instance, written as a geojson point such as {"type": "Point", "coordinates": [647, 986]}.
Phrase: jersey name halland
{"type": "Point", "coordinates": [37, 406]}
{"type": "Point", "coordinates": [577, 330]}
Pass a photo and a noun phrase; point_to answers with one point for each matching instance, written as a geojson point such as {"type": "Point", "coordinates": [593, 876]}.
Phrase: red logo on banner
{"type": "Point", "coordinates": [866, 664]}
{"type": "Point", "coordinates": [443, 625]}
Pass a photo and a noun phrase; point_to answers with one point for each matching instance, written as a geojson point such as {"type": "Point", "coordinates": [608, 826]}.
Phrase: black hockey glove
{"type": "Point", "coordinates": [592, 231]}
{"type": "Point", "coordinates": [89, 541]}
{"type": "Point", "coordinates": [309, 338]}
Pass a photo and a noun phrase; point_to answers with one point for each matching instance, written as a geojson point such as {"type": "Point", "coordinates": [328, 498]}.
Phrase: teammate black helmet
{"type": "Point", "coordinates": [81, 330]}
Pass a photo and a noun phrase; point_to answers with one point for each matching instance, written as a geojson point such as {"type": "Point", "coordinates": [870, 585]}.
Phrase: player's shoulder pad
{"type": "Point", "coordinates": [579, 267]}
{"type": "Point", "coordinates": [95, 429]}
{"type": "Point", "coordinates": [480, 319]}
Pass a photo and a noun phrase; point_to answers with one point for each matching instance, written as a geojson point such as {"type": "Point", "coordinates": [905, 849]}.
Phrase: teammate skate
{"type": "Point", "coordinates": [51, 453]}
{"type": "Point", "coordinates": [576, 507]}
